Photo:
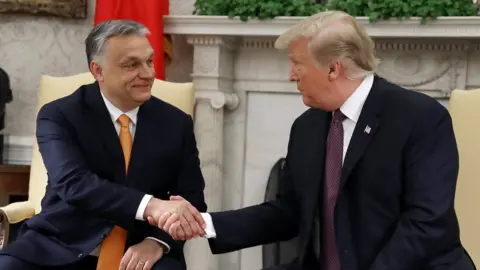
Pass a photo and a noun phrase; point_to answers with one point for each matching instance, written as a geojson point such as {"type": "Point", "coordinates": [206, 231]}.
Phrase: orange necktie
{"type": "Point", "coordinates": [113, 247]}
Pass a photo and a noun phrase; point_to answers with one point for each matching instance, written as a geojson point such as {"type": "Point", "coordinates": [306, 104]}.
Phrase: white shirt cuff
{"type": "Point", "coordinates": [167, 247]}
{"type": "Point", "coordinates": [142, 206]}
{"type": "Point", "coordinates": [210, 230]}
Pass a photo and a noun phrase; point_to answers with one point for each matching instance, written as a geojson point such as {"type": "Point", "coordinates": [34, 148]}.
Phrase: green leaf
{"type": "Point", "coordinates": [374, 16]}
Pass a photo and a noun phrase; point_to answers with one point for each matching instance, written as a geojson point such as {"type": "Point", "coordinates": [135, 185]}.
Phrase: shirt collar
{"type": "Point", "coordinates": [116, 112]}
{"type": "Point", "coordinates": [354, 104]}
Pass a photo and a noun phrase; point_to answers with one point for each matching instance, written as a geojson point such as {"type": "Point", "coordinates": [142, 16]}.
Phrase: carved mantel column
{"type": "Point", "coordinates": [213, 75]}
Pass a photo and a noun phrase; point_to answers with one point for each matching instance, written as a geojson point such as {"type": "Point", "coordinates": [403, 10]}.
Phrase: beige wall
{"type": "Point", "coordinates": [35, 45]}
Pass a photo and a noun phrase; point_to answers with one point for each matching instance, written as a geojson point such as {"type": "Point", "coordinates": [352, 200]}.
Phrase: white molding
{"type": "Point", "coordinates": [18, 150]}
{"type": "Point", "coordinates": [442, 27]}
{"type": "Point", "coordinates": [287, 87]}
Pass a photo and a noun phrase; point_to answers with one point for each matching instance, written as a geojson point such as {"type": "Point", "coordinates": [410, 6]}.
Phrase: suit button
{"type": "Point", "coordinates": [345, 251]}
{"type": "Point", "coordinates": [103, 236]}
{"type": "Point", "coordinates": [80, 255]}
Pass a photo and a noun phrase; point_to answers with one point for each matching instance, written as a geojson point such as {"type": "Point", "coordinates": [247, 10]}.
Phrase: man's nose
{"type": "Point", "coordinates": [293, 77]}
{"type": "Point", "coordinates": [147, 72]}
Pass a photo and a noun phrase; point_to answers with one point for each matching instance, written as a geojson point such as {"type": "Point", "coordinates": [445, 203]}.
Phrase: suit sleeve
{"type": "Point", "coordinates": [70, 177]}
{"type": "Point", "coordinates": [431, 168]}
{"type": "Point", "coordinates": [190, 183]}
{"type": "Point", "coordinates": [276, 220]}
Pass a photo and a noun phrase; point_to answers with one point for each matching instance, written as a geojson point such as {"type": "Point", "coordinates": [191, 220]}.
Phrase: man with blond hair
{"type": "Point", "coordinates": [371, 167]}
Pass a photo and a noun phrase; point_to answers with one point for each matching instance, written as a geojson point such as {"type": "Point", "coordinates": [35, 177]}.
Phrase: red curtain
{"type": "Point", "coordinates": [147, 12]}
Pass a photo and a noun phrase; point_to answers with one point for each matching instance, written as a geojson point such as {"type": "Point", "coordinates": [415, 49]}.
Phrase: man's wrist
{"type": "Point", "coordinates": [140, 215]}
{"type": "Point", "coordinates": [210, 228]}
{"type": "Point", "coordinates": [164, 246]}
{"type": "Point", "coordinates": [151, 207]}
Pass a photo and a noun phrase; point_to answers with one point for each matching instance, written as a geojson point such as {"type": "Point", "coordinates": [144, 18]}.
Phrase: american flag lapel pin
{"type": "Point", "coordinates": [368, 129]}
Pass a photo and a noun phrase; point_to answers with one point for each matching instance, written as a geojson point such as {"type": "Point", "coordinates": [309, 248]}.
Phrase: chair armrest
{"type": "Point", "coordinates": [17, 212]}
{"type": "Point", "coordinates": [11, 214]}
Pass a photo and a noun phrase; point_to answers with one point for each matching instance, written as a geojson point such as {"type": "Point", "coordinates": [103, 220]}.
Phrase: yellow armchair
{"type": "Point", "coordinates": [464, 107]}
{"type": "Point", "coordinates": [181, 95]}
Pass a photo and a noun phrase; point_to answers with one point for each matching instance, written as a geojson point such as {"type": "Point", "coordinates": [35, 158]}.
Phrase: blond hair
{"type": "Point", "coordinates": [335, 36]}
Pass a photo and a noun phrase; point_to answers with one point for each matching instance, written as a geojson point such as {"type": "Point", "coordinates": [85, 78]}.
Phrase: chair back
{"type": "Point", "coordinates": [279, 253]}
{"type": "Point", "coordinates": [181, 95]}
{"type": "Point", "coordinates": [464, 107]}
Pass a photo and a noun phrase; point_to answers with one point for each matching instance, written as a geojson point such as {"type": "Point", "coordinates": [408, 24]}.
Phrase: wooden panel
{"type": "Point", "coordinates": [14, 179]}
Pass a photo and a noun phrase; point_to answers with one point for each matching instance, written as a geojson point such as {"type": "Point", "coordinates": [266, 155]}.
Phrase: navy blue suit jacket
{"type": "Point", "coordinates": [395, 208]}
{"type": "Point", "coordinates": [88, 192]}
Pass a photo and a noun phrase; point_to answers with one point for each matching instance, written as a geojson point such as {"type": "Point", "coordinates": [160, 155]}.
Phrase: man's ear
{"type": "Point", "coordinates": [334, 71]}
{"type": "Point", "coordinates": [96, 71]}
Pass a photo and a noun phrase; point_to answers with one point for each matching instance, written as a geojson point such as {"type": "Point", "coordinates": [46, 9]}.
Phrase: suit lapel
{"type": "Point", "coordinates": [105, 129]}
{"type": "Point", "coordinates": [315, 155]}
{"type": "Point", "coordinates": [365, 129]}
{"type": "Point", "coordinates": [141, 142]}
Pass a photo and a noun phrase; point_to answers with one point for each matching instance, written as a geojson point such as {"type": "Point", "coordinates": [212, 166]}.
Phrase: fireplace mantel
{"type": "Point", "coordinates": [246, 104]}
{"type": "Point", "coordinates": [442, 27]}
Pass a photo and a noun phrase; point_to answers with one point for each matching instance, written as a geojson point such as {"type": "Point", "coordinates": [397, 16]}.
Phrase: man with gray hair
{"type": "Point", "coordinates": [370, 172]}
{"type": "Point", "coordinates": [113, 154]}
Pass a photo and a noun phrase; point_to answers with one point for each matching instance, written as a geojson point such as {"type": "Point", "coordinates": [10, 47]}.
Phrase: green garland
{"type": "Point", "coordinates": [374, 9]}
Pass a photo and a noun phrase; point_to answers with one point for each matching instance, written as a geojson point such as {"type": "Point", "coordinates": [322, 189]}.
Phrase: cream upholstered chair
{"type": "Point", "coordinates": [181, 95]}
{"type": "Point", "coordinates": [464, 107]}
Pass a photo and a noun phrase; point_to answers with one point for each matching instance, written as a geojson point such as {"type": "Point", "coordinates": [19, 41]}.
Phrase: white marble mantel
{"type": "Point", "coordinates": [236, 65]}
{"type": "Point", "coordinates": [442, 27]}
{"type": "Point", "coordinates": [246, 105]}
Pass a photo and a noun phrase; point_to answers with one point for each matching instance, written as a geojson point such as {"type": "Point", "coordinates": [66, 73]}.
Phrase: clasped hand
{"type": "Point", "coordinates": [177, 217]}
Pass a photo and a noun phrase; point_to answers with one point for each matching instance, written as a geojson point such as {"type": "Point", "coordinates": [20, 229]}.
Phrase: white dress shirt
{"type": "Point", "coordinates": [351, 109]}
{"type": "Point", "coordinates": [115, 113]}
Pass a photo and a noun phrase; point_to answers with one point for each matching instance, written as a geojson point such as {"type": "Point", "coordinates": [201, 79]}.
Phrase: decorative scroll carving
{"type": "Point", "coordinates": [219, 100]}
{"type": "Point", "coordinates": [425, 65]}
{"type": "Point", "coordinates": [413, 70]}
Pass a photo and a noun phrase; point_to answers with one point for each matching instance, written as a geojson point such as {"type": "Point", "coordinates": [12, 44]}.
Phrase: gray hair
{"type": "Point", "coordinates": [97, 39]}
{"type": "Point", "coordinates": [335, 35]}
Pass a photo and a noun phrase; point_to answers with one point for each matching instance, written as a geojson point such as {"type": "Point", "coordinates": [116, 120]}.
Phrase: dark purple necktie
{"type": "Point", "coordinates": [333, 172]}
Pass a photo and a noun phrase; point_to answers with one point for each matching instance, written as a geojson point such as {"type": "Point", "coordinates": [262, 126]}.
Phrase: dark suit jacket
{"type": "Point", "coordinates": [395, 209]}
{"type": "Point", "coordinates": [88, 192]}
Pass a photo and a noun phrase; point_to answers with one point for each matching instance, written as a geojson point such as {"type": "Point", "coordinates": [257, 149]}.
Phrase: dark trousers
{"type": "Point", "coordinates": [89, 263]}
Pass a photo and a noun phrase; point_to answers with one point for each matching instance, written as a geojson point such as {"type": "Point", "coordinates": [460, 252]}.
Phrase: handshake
{"type": "Point", "coordinates": [177, 217]}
